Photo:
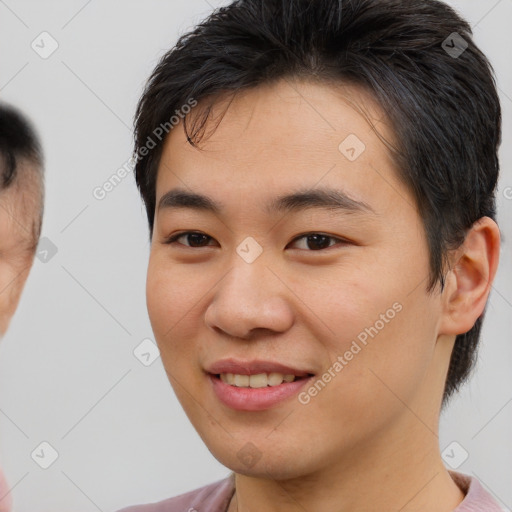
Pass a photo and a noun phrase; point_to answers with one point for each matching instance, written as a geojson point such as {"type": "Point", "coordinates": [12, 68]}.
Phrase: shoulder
{"type": "Point", "coordinates": [477, 498]}
{"type": "Point", "coordinates": [214, 497]}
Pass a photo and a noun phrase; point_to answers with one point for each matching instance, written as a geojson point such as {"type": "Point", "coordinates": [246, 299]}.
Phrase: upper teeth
{"type": "Point", "coordinates": [260, 380]}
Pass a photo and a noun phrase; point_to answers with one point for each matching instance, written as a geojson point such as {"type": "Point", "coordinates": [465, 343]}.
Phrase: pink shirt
{"type": "Point", "coordinates": [5, 494]}
{"type": "Point", "coordinates": [216, 497]}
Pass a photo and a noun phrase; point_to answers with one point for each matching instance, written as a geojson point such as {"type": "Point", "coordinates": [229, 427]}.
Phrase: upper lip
{"type": "Point", "coordinates": [253, 367]}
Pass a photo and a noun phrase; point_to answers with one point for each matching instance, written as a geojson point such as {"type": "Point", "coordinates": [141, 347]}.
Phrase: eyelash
{"type": "Point", "coordinates": [173, 239]}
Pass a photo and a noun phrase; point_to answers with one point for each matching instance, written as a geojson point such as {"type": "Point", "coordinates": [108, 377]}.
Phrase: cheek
{"type": "Point", "coordinates": [171, 291]}
{"type": "Point", "coordinates": [174, 298]}
{"type": "Point", "coordinates": [158, 298]}
{"type": "Point", "coordinates": [349, 306]}
{"type": "Point", "coordinates": [168, 299]}
{"type": "Point", "coordinates": [385, 364]}
{"type": "Point", "coordinates": [385, 332]}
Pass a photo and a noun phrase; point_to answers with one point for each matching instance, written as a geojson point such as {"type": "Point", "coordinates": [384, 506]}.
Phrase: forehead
{"type": "Point", "coordinates": [275, 138]}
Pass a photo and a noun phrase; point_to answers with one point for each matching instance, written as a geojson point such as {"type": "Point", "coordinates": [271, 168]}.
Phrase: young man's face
{"type": "Point", "coordinates": [301, 302]}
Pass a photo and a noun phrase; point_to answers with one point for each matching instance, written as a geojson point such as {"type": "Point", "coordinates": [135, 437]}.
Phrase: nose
{"type": "Point", "coordinates": [252, 297]}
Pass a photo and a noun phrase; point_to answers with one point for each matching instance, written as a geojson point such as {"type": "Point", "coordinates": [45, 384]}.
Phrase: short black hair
{"type": "Point", "coordinates": [418, 60]}
{"type": "Point", "coordinates": [18, 139]}
{"type": "Point", "coordinates": [20, 143]}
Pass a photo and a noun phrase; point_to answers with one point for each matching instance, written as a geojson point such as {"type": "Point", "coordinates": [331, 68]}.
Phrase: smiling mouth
{"type": "Point", "coordinates": [260, 380]}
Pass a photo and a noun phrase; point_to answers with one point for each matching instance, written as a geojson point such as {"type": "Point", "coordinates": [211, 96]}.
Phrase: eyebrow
{"type": "Point", "coordinates": [321, 198]}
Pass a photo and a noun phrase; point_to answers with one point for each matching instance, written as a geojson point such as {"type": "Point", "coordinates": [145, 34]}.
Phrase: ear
{"type": "Point", "coordinates": [468, 283]}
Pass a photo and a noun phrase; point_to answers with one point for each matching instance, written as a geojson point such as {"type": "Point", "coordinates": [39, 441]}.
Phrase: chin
{"type": "Point", "coordinates": [266, 463]}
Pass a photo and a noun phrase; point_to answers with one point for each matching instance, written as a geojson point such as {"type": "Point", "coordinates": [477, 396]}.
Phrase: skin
{"type": "Point", "coordinates": [367, 441]}
{"type": "Point", "coordinates": [19, 217]}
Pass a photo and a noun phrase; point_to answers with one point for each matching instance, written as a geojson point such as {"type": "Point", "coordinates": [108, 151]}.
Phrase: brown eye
{"type": "Point", "coordinates": [194, 239]}
{"type": "Point", "coordinates": [318, 241]}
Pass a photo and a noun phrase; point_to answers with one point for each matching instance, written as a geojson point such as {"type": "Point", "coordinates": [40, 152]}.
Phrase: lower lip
{"type": "Point", "coordinates": [255, 399]}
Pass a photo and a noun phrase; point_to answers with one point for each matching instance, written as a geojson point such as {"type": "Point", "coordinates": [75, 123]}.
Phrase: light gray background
{"type": "Point", "coordinates": [68, 375]}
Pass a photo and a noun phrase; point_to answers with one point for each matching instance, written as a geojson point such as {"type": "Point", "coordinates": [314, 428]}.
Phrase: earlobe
{"type": "Point", "coordinates": [469, 281]}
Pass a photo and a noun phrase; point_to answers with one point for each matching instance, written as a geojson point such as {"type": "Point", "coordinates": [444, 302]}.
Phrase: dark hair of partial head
{"type": "Point", "coordinates": [18, 139]}
{"type": "Point", "coordinates": [22, 170]}
{"type": "Point", "coordinates": [443, 106]}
